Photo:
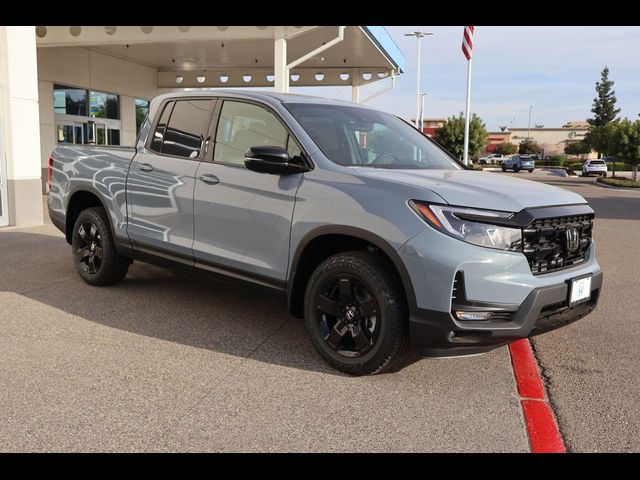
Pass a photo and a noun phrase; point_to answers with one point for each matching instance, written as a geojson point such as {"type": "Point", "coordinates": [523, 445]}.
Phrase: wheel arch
{"type": "Point", "coordinates": [322, 242]}
{"type": "Point", "coordinates": [80, 199]}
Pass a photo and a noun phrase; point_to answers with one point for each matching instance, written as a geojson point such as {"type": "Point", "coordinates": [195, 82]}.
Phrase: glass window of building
{"type": "Point", "coordinates": [142, 108]}
{"type": "Point", "coordinates": [104, 105]}
{"type": "Point", "coordinates": [69, 100]}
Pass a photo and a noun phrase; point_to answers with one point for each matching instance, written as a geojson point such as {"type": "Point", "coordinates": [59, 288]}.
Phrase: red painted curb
{"type": "Point", "coordinates": [542, 429]}
{"type": "Point", "coordinates": [525, 368]}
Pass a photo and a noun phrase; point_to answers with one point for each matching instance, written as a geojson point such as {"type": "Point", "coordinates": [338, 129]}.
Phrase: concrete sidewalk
{"type": "Point", "coordinates": [169, 362]}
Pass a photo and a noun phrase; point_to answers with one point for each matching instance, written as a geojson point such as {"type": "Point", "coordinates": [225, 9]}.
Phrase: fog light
{"type": "Point", "coordinates": [473, 315]}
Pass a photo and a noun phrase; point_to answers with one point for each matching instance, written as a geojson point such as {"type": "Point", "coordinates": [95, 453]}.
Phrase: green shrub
{"type": "Point", "coordinates": [556, 161]}
{"type": "Point", "coordinates": [619, 182]}
{"type": "Point", "coordinates": [619, 166]}
{"type": "Point", "coordinates": [576, 166]}
{"type": "Point", "coordinates": [475, 166]}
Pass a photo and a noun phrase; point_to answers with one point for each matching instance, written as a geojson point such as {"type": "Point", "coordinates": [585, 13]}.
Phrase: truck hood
{"type": "Point", "coordinates": [467, 188]}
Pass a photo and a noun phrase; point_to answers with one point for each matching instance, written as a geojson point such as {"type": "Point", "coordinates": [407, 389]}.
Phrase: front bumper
{"type": "Point", "coordinates": [437, 334]}
{"type": "Point", "coordinates": [495, 279]}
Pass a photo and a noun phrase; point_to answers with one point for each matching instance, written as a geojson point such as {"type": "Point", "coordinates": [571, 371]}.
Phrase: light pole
{"type": "Point", "coordinates": [529, 127]}
{"type": "Point", "coordinates": [421, 124]}
{"type": "Point", "coordinates": [418, 36]}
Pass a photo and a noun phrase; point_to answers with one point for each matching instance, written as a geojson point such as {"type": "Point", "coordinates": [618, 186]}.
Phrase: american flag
{"type": "Point", "coordinates": [467, 42]}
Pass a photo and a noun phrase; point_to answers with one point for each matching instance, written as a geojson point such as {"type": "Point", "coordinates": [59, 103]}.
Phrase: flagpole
{"type": "Point", "coordinates": [465, 158]}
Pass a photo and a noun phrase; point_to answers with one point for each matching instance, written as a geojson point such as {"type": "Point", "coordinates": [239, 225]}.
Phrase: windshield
{"type": "Point", "coordinates": [360, 137]}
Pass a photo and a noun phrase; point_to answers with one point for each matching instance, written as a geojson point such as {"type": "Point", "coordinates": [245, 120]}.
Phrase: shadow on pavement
{"type": "Point", "coordinates": [160, 303]}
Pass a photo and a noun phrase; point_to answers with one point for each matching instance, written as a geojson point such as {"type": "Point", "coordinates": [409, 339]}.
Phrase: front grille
{"type": "Point", "coordinates": [545, 242]}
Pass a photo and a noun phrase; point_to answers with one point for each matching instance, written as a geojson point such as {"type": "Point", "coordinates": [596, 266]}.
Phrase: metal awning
{"type": "Point", "coordinates": [249, 56]}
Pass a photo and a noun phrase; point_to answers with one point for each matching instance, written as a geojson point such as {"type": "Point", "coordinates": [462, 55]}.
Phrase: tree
{"type": "Point", "coordinates": [604, 105]}
{"type": "Point", "coordinates": [577, 148]}
{"type": "Point", "coordinates": [141, 113]}
{"type": "Point", "coordinates": [628, 145]}
{"type": "Point", "coordinates": [603, 139]}
{"type": "Point", "coordinates": [528, 146]}
{"type": "Point", "coordinates": [502, 128]}
{"type": "Point", "coordinates": [451, 135]}
{"type": "Point", "coordinates": [506, 148]}
{"type": "Point", "coordinates": [539, 125]}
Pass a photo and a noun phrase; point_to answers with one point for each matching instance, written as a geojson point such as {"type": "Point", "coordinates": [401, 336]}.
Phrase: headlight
{"type": "Point", "coordinates": [479, 227]}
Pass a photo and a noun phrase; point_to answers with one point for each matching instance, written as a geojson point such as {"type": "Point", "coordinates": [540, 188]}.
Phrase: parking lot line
{"type": "Point", "coordinates": [542, 429]}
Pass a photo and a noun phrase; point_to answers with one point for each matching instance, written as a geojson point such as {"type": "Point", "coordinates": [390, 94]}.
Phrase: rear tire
{"type": "Point", "coordinates": [530, 170]}
{"type": "Point", "coordinates": [604, 174]}
{"type": "Point", "coordinates": [356, 314]}
{"type": "Point", "coordinates": [94, 254]}
{"type": "Point", "coordinates": [504, 169]}
{"type": "Point", "coordinates": [516, 169]}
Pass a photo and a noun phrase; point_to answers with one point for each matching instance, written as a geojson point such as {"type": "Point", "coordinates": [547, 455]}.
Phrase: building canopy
{"type": "Point", "coordinates": [243, 56]}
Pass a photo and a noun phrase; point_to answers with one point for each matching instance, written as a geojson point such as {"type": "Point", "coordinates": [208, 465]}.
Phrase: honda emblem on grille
{"type": "Point", "coordinates": [572, 238]}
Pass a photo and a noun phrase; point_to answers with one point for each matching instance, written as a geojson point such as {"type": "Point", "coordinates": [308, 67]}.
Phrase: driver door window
{"type": "Point", "coordinates": [242, 126]}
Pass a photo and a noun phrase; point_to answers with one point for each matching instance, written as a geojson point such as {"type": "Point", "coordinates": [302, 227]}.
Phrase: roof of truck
{"type": "Point", "coordinates": [265, 96]}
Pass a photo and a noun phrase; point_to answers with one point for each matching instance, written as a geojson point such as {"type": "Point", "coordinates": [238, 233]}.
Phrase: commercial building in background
{"type": "Point", "coordinates": [430, 125]}
{"type": "Point", "coordinates": [92, 85]}
{"type": "Point", "coordinates": [495, 139]}
{"type": "Point", "coordinates": [552, 141]}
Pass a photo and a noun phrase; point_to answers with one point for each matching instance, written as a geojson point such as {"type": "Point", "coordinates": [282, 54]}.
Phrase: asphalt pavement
{"type": "Point", "coordinates": [592, 367]}
{"type": "Point", "coordinates": [169, 362]}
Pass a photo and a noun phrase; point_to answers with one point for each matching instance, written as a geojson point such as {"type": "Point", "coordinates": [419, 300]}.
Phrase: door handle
{"type": "Point", "coordinates": [145, 167]}
{"type": "Point", "coordinates": [210, 179]}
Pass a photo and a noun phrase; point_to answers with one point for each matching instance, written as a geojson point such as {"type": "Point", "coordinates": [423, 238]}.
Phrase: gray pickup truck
{"type": "Point", "coordinates": [365, 227]}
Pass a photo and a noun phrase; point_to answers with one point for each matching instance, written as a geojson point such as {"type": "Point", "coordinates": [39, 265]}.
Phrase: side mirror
{"type": "Point", "coordinates": [274, 160]}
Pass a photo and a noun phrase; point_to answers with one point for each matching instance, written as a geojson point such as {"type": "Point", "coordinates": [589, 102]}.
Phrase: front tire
{"type": "Point", "coordinates": [530, 170]}
{"type": "Point", "coordinates": [504, 169]}
{"type": "Point", "coordinates": [356, 313]}
{"type": "Point", "coordinates": [516, 169]}
{"type": "Point", "coordinates": [94, 254]}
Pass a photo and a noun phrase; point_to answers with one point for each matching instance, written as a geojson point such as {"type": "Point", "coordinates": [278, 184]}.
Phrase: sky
{"type": "Point", "coordinates": [552, 69]}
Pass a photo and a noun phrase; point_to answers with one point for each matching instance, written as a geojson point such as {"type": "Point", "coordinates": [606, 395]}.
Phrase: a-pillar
{"type": "Point", "coordinates": [281, 72]}
{"type": "Point", "coordinates": [20, 127]}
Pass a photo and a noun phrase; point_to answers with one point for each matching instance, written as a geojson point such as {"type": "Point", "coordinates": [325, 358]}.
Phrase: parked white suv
{"type": "Point", "coordinates": [492, 159]}
{"type": "Point", "coordinates": [598, 167]}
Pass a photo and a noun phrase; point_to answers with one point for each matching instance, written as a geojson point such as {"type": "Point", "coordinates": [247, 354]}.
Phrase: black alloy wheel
{"type": "Point", "coordinates": [94, 252]}
{"type": "Point", "coordinates": [349, 316]}
{"type": "Point", "coordinates": [356, 313]}
{"type": "Point", "coordinates": [90, 250]}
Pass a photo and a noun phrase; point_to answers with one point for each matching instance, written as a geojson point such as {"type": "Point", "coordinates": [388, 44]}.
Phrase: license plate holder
{"type": "Point", "coordinates": [579, 290]}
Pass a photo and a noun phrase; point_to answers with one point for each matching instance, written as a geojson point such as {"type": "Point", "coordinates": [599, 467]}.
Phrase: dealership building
{"type": "Point", "coordinates": [92, 85]}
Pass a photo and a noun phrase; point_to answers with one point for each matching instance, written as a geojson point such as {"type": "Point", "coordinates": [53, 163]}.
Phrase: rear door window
{"type": "Point", "coordinates": [181, 129]}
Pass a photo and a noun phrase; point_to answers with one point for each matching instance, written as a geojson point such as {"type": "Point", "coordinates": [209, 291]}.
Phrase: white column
{"type": "Point", "coordinates": [355, 93]}
{"type": "Point", "coordinates": [280, 70]}
{"type": "Point", "coordinates": [355, 85]}
{"type": "Point", "coordinates": [47, 127]}
{"type": "Point", "coordinates": [128, 120]}
{"type": "Point", "coordinates": [21, 124]}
